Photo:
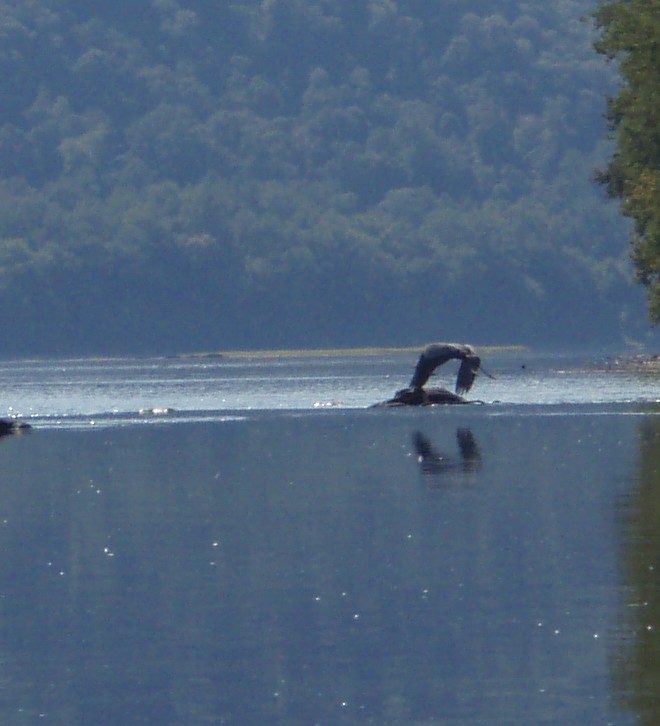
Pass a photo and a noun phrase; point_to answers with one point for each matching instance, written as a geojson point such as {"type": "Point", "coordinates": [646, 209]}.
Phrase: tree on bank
{"type": "Point", "coordinates": [630, 33]}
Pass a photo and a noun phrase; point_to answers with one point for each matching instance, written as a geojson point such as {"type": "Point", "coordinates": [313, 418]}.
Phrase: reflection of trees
{"type": "Point", "coordinates": [637, 672]}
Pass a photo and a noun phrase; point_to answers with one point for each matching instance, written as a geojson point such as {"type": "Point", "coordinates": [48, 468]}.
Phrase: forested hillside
{"type": "Point", "coordinates": [203, 175]}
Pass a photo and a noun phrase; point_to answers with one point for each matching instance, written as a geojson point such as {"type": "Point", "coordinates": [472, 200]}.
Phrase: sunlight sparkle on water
{"type": "Point", "coordinates": [156, 391]}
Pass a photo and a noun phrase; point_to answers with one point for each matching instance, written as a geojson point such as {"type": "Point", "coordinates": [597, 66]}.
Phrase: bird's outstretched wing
{"type": "Point", "coordinates": [467, 373]}
{"type": "Point", "coordinates": [423, 371]}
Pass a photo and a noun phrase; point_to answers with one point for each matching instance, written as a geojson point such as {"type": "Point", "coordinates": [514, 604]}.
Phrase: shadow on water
{"type": "Point", "coordinates": [636, 661]}
{"type": "Point", "coordinates": [435, 463]}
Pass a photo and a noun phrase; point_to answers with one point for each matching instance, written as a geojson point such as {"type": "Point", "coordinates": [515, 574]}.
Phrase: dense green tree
{"type": "Point", "coordinates": [630, 32]}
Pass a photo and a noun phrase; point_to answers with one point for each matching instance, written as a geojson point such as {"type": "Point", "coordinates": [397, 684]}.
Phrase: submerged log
{"type": "Point", "coordinates": [421, 397]}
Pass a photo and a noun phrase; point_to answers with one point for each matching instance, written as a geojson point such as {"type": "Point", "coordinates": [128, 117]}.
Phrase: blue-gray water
{"type": "Point", "coordinates": [272, 552]}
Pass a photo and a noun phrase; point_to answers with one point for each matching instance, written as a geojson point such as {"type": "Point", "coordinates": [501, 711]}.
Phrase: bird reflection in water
{"type": "Point", "coordinates": [436, 463]}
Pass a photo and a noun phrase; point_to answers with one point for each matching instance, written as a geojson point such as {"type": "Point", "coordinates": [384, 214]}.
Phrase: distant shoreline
{"type": "Point", "coordinates": [330, 352]}
{"type": "Point", "coordinates": [261, 353]}
{"type": "Point", "coordinates": [643, 363]}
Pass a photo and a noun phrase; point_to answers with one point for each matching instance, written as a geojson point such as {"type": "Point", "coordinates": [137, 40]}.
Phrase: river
{"type": "Point", "coordinates": [269, 550]}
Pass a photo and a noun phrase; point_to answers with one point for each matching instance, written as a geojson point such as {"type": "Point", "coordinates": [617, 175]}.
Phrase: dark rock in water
{"type": "Point", "coordinates": [8, 427]}
{"type": "Point", "coordinates": [421, 397]}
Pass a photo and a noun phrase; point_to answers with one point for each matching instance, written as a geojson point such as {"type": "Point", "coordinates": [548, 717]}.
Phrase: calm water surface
{"type": "Point", "coordinates": [254, 558]}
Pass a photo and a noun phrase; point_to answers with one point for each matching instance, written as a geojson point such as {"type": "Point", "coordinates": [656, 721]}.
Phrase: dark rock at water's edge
{"type": "Point", "coordinates": [421, 397]}
{"type": "Point", "coordinates": [9, 427]}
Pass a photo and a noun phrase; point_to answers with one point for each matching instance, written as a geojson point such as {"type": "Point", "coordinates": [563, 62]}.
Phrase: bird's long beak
{"type": "Point", "coordinates": [486, 373]}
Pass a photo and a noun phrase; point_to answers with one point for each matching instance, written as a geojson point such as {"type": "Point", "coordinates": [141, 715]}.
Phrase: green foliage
{"type": "Point", "coordinates": [304, 173]}
{"type": "Point", "coordinates": [630, 33]}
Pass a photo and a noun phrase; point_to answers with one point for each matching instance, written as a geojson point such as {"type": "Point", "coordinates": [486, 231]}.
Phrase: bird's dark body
{"type": "Point", "coordinates": [436, 354]}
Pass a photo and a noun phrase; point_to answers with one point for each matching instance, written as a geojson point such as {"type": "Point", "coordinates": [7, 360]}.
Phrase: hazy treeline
{"type": "Point", "coordinates": [205, 175]}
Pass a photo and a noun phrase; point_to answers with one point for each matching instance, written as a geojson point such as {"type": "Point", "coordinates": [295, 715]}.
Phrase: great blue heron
{"type": "Point", "coordinates": [436, 354]}
{"type": "Point", "coordinates": [432, 356]}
